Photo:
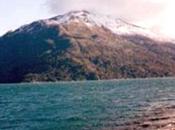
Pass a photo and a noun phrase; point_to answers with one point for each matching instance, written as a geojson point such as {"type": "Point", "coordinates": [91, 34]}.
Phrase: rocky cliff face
{"type": "Point", "coordinates": [82, 46]}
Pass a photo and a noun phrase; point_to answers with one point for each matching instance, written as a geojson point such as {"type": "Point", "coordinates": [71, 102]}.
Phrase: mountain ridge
{"type": "Point", "coordinates": [116, 25]}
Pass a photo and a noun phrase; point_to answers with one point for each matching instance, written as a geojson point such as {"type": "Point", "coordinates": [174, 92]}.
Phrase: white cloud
{"type": "Point", "coordinates": [133, 9]}
{"type": "Point", "coordinates": [155, 14]}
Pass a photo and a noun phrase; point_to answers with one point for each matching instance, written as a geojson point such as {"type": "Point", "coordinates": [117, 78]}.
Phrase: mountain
{"type": "Point", "coordinates": [80, 45]}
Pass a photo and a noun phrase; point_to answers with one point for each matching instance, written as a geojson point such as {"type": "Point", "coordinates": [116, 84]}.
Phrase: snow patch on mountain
{"type": "Point", "coordinates": [116, 25]}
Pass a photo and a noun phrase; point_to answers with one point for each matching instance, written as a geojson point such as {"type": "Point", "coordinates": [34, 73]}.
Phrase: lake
{"type": "Point", "coordinates": [140, 104]}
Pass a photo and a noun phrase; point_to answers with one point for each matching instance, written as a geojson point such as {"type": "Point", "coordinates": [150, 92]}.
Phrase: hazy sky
{"type": "Point", "coordinates": [14, 13]}
{"type": "Point", "coordinates": [157, 15]}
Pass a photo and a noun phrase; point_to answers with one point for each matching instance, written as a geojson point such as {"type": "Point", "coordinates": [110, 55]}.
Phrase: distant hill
{"type": "Point", "coordinates": [80, 45]}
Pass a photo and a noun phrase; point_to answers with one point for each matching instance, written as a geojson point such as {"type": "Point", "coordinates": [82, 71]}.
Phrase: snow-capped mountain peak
{"type": "Point", "coordinates": [116, 25]}
{"type": "Point", "coordinates": [90, 19]}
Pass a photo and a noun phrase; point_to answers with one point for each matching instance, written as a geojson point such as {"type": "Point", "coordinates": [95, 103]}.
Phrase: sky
{"type": "Point", "coordinates": [157, 15]}
{"type": "Point", "coordinates": [15, 13]}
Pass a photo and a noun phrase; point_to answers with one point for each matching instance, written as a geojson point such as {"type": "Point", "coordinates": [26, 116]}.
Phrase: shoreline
{"type": "Point", "coordinates": [90, 81]}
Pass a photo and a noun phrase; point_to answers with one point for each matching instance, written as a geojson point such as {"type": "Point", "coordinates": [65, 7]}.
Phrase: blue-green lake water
{"type": "Point", "coordinates": [87, 105]}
